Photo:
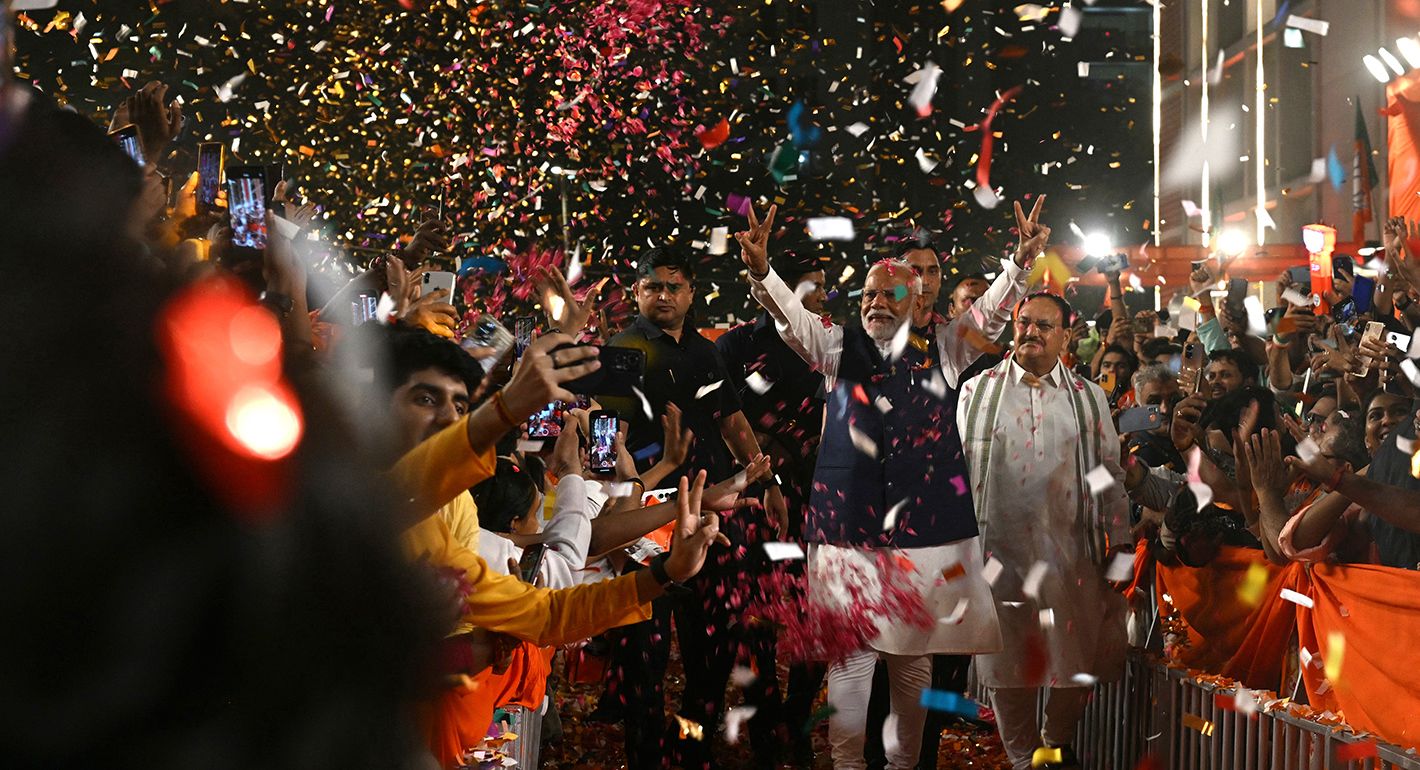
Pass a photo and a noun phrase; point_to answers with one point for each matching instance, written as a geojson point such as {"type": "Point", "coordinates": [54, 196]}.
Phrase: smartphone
{"type": "Point", "coordinates": [602, 456]}
{"type": "Point", "coordinates": [438, 280]}
{"type": "Point", "coordinates": [1193, 358]}
{"type": "Point", "coordinates": [1363, 290]}
{"type": "Point", "coordinates": [522, 333]}
{"type": "Point", "coordinates": [1375, 332]}
{"type": "Point", "coordinates": [531, 562]}
{"type": "Point", "coordinates": [1140, 419]}
{"type": "Point", "coordinates": [246, 205]}
{"type": "Point", "coordinates": [1113, 263]}
{"type": "Point", "coordinates": [547, 422]}
{"type": "Point", "coordinates": [210, 156]}
{"type": "Point", "coordinates": [619, 375]}
{"type": "Point", "coordinates": [127, 138]}
{"type": "Point", "coordinates": [1237, 292]}
{"type": "Point", "coordinates": [364, 308]}
{"type": "Point", "coordinates": [1300, 275]}
{"type": "Point", "coordinates": [1399, 340]}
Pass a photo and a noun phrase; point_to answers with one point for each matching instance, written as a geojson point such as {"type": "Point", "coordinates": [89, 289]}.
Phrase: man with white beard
{"type": "Point", "coordinates": [891, 474]}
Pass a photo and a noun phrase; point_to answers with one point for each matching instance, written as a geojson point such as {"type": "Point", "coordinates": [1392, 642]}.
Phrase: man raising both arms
{"type": "Point", "coordinates": [895, 479]}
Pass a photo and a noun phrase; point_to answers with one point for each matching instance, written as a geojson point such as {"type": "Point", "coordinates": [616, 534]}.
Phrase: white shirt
{"type": "Point", "coordinates": [821, 345]}
{"type": "Point", "coordinates": [1032, 494]}
{"type": "Point", "coordinates": [567, 536]}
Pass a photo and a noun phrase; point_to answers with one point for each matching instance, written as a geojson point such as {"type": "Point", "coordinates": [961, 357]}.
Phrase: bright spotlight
{"type": "Point", "coordinates": [1377, 70]}
{"type": "Point", "coordinates": [1231, 243]}
{"type": "Point", "coordinates": [1392, 62]}
{"type": "Point", "coordinates": [1410, 50]}
{"type": "Point", "coordinates": [1098, 245]}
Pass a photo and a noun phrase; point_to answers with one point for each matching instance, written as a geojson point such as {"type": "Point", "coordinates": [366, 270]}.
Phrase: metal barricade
{"type": "Point", "coordinates": [1163, 712]}
{"type": "Point", "coordinates": [527, 725]}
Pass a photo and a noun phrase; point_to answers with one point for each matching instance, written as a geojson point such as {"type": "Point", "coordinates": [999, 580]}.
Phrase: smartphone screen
{"type": "Point", "coordinates": [547, 423]}
{"type": "Point", "coordinates": [522, 334]}
{"type": "Point", "coordinates": [602, 457]}
{"type": "Point", "coordinates": [365, 306]}
{"type": "Point", "coordinates": [246, 203]}
{"type": "Point", "coordinates": [531, 562]}
{"type": "Point", "coordinates": [128, 139]}
{"type": "Point", "coordinates": [1300, 275]}
{"type": "Point", "coordinates": [209, 173]}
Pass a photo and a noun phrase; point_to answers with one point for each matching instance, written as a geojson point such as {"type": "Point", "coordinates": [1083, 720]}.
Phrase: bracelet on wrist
{"type": "Point", "coordinates": [502, 408]}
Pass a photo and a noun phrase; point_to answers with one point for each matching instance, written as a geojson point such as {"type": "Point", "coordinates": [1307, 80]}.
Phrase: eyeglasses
{"type": "Point", "coordinates": [1042, 326]}
{"type": "Point", "coordinates": [895, 294]}
{"type": "Point", "coordinates": [657, 287]}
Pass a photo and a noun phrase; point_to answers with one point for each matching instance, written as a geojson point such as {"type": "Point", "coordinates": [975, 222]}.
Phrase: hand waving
{"type": "Point", "coordinates": [694, 534]}
{"type": "Point", "coordinates": [1034, 235]}
{"type": "Point", "coordinates": [754, 244]}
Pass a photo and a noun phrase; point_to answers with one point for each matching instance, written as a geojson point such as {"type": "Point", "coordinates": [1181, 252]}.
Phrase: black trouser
{"type": "Point", "coordinates": [949, 675]}
{"type": "Point", "coordinates": [636, 682]}
{"type": "Point", "coordinates": [714, 638]}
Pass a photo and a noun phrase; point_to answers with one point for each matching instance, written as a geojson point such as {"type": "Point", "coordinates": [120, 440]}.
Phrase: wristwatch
{"type": "Point", "coordinates": [279, 303]}
{"type": "Point", "coordinates": [663, 578]}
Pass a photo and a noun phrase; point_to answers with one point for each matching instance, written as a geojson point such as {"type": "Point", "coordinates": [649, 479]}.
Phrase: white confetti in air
{"type": "Point", "coordinates": [1121, 568]}
{"type": "Point", "coordinates": [1411, 371]}
{"type": "Point", "coordinates": [1245, 701]}
{"type": "Point", "coordinates": [384, 309]}
{"type": "Point", "coordinates": [1070, 18]}
{"type": "Point", "coordinates": [1296, 598]}
{"type": "Point", "coordinates": [734, 720]}
{"type": "Point", "coordinates": [861, 442]}
{"type": "Point", "coordinates": [890, 520]}
{"type": "Point", "coordinates": [882, 404]}
{"type": "Point", "coordinates": [986, 197]}
{"type": "Point", "coordinates": [992, 571]}
{"type": "Point", "coordinates": [1256, 319]}
{"type": "Point", "coordinates": [742, 676]}
{"type": "Point", "coordinates": [1308, 450]}
{"type": "Point", "coordinates": [1099, 479]}
{"type": "Point", "coordinates": [958, 612]}
{"type": "Point", "coordinates": [1047, 618]}
{"type": "Point", "coordinates": [530, 446]}
{"type": "Point", "coordinates": [1306, 657]}
{"type": "Point", "coordinates": [645, 405]}
{"type": "Point", "coordinates": [555, 305]}
{"type": "Point", "coordinates": [830, 229]}
{"type": "Point", "coordinates": [620, 489]}
{"type": "Point", "coordinates": [1034, 578]}
{"type": "Point", "coordinates": [899, 341]}
{"type": "Point", "coordinates": [1084, 680]}
{"type": "Point", "coordinates": [936, 385]}
{"type": "Point", "coordinates": [1031, 12]}
{"type": "Point", "coordinates": [574, 267]}
{"type": "Point", "coordinates": [1315, 26]}
{"type": "Point", "coordinates": [758, 383]}
{"type": "Point", "coordinates": [719, 240]}
{"type": "Point", "coordinates": [711, 388]}
{"type": "Point", "coordinates": [925, 88]}
{"type": "Point", "coordinates": [925, 161]}
{"type": "Point", "coordinates": [804, 289]}
{"type": "Point", "coordinates": [858, 129]}
{"type": "Point", "coordinates": [783, 551]}
{"type": "Point", "coordinates": [1202, 492]}
{"type": "Point", "coordinates": [224, 91]}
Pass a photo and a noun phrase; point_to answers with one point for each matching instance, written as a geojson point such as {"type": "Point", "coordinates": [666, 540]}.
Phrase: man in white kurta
{"type": "Point", "coordinates": [837, 555]}
{"type": "Point", "coordinates": [1050, 502]}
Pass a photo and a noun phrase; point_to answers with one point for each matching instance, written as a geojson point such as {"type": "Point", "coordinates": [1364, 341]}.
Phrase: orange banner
{"type": "Point", "coordinates": [1359, 633]}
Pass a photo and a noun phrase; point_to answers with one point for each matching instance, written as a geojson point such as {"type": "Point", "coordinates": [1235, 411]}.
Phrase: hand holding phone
{"type": "Point", "coordinates": [246, 204]}
{"type": "Point", "coordinates": [438, 279]}
{"type": "Point", "coordinates": [1141, 419]}
{"type": "Point", "coordinates": [531, 562]}
{"type": "Point", "coordinates": [601, 458]}
{"type": "Point", "coordinates": [1190, 373]}
{"type": "Point", "coordinates": [210, 156]}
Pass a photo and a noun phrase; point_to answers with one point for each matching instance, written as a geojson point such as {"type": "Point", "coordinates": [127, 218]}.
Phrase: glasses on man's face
{"type": "Point", "coordinates": [896, 294]}
{"type": "Point", "coordinates": [1026, 322]}
{"type": "Point", "coordinates": [660, 287]}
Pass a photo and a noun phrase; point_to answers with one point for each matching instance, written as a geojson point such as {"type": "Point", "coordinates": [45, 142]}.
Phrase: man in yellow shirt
{"type": "Point", "coordinates": [456, 451]}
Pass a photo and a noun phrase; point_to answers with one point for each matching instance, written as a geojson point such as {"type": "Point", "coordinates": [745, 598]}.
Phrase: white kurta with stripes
{"type": "Point", "coordinates": [1036, 508]}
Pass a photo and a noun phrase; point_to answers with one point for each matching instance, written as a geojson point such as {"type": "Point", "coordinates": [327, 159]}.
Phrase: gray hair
{"type": "Point", "coordinates": [893, 264]}
{"type": "Point", "coordinates": [1151, 373]}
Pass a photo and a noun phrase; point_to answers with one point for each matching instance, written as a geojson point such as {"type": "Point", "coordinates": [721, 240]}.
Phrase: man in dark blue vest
{"type": "Point", "coordinates": [891, 475]}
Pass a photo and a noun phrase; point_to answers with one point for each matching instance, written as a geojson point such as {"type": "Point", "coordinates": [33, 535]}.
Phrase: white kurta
{"type": "Point", "coordinates": [1032, 495]}
{"type": "Point", "coordinates": [972, 627]}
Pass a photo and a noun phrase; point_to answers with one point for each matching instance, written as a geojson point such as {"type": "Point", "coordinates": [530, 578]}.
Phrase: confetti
{"type": "Point", "coordinates": [1100, 479]}
{"type": "Point", "coordinates": [992, 570]}
{"type": "Point", "coordinates": [830, 229]}
{"type": "Point", "coordinates": [734, 720]}
{"type": "Point", "coordinates": [1254, 583]}
{"type": "Point", "coordinates": [1314, 26]}
{"type": "Point", "coordinates": [1195, 722]}
{"type": "Point", "coordinates": [689, 729]}
{"type": "Point", "coordinates": [708, 389]}
{"type": "Point", "coordinates": [1121, 568]}
{"type": "Point", "coordinates": [949, 702]}
{"type": "Point", "coordinates": [783, 551]}
{"type": "Point", "coordinates": [1335, 653]}
{"type": "Point", "coordinates": [862, 442]}
{"type": "Point", "coordinates": [1036, 576]}
{"type": "Point", "coordinates": [958, 612]}
{"type": "Point", "coordinates": [1046, 756]}
{"type": "Point", "coordinates": [1296, 598]}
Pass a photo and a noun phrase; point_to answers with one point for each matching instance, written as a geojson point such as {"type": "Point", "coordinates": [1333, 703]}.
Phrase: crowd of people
{"type": "Point", "coordinates": [245, 530]}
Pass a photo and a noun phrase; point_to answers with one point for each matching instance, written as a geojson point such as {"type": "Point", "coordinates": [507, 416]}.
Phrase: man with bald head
{"type": "Point", "coordinates": [1048, 489]}
{"type": "Point", "coordinates": [890, 475]}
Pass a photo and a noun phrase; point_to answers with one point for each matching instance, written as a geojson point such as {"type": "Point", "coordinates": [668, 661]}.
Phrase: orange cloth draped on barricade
{"type": "Point", "coordinates": [1375, 610]}
{"type": "Point", "coordinates": [459, 718]}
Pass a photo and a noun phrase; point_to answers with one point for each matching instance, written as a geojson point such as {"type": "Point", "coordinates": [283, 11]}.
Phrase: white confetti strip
{"type": "Point", "coordinates": [862, 443]}
{"type": "Point", "coordinates": [1099, 479]}
{"type": "Point", "coordinates": [992, 570]}
{"type": "Point", "coordinates": [1296, 598]}
{"type": "Point", "coordinates": [711, 388]}
{"type": "Point", "coordinates": [1315, 26]}
{"type": "Point", "coordinates": [1121, 568]}
{"type": "Point", "coordinates": [831, 229]}
{"type": "Point", "coordinates": [783, 551]}
{"type": "Point", "coordinates": [1034, 578]}
{"type": "Point", "coordinates": [958, 612]}
{"type": "Point", "coordinates": [890, 520]}
{"type": "Point", "coordinates": [758, 383]}
{"type": "Point", "coordinates": [734, 720]}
